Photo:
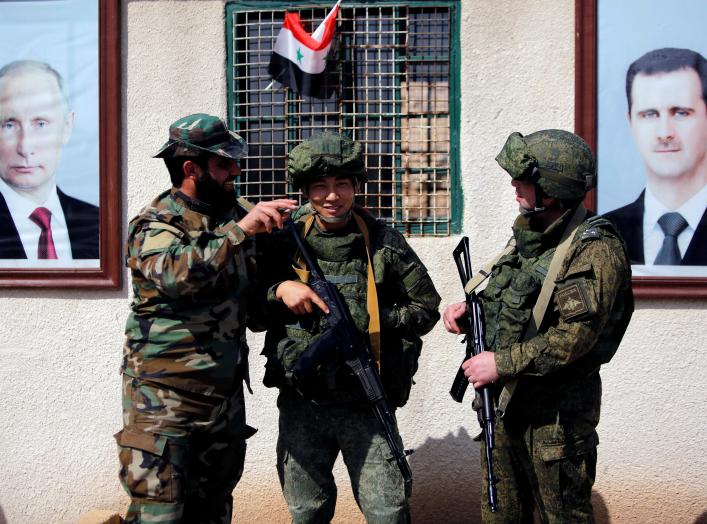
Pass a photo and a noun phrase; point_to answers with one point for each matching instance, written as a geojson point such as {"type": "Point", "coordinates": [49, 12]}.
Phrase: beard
{"type": "Point", "coordinates": [216, 195]}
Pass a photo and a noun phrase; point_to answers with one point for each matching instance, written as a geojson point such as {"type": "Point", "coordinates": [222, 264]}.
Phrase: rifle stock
{"type": "Point", "coordinates": [475, 339]}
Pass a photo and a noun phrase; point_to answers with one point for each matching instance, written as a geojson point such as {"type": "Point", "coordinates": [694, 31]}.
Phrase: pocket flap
{"type": "Point", "coordinates": [553, 451]}
{"type": "Point", "coordinates": [557, 450]}
{"type": "Point", "coordinates": [153, 444]}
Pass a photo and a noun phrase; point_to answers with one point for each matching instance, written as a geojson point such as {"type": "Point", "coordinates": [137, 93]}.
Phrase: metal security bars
{"type": "Point", "coordinates": [395, 89]}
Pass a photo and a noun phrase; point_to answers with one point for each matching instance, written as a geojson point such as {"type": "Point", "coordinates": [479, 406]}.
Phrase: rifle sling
{"type": "Point", "coordinates": [485, 271]}
{"type": "Point", "coordinates": [371, 294]}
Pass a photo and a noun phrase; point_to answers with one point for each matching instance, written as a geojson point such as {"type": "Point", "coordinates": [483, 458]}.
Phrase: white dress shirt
{"type": "Point", "coordinates": [653, 235]}
{"type": "Point", "coordinates": [21, 208]}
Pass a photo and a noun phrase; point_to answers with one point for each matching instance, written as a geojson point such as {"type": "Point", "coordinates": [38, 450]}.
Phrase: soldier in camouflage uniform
{"type": "Point", "coordinates": [545, 455]}
{"type": "Point", "coordinates": [182, 447]}
{"type": "Point", "coordinates": [328, 414]}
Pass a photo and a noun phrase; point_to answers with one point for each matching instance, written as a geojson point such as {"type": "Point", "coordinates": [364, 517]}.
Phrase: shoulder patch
{"type": "Point", "coordinates": [572, 301]}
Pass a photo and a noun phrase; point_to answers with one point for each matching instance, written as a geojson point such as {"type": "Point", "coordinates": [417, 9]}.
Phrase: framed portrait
{"type": "Point", "coordinates": [640, 103]}
{"type": "Point", "coordinates": [60, 195]}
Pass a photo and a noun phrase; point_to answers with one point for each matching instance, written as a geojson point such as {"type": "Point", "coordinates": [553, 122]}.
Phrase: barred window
{"type": "Point", "coordinates": [395, 89]}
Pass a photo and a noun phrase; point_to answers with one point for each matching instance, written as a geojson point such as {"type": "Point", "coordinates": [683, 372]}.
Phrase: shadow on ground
{"type": "Point", "coordinates": [447, 480]}
{"type": "Point", "coordinates": [447, 483]}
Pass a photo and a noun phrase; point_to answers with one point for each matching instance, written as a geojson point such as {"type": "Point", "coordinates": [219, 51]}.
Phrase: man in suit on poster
{"type": "Point", "coordinates": [667, 111]}
{"type": "Point", "coordinates": [37, 219]}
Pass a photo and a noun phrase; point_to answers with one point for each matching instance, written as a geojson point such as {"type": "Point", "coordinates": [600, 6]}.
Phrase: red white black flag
{"type": "Point", "coordinates": [299, 59]}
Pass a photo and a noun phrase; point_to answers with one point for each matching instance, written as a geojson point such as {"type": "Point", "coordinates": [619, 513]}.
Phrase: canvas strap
{"type": "Point", "coordinates": [371, 293]}
{"type": "Point", "coordinates": [543, 301]}
{"type": "Point", "coordinates": [485, 271]}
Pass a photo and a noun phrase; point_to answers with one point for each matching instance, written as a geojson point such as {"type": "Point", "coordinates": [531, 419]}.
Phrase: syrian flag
{"type": "Point", "coordinates": [299, 59]}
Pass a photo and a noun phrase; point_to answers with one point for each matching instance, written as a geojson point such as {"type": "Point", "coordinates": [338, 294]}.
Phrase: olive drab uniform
{"type": "Point", "coordinates": [182, 447]}
{"type": "Point", "coordinates": [328, 413]}
{"type": "Point", "coordinates": [545, 454]}
{"type": "Point", "coordinates": [546, 442]}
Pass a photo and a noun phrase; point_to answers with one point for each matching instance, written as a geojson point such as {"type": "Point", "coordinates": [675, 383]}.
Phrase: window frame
{"type": "Point", "coordinates": [454, 6]}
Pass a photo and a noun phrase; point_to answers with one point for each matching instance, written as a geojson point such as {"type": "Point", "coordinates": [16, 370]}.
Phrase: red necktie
{"type": "Point", "coordinates": [43, 217]}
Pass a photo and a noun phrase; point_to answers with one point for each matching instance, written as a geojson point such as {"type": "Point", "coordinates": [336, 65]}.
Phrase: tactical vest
{"type": "Point", "coordinates": [516, 282]}
{"type": "Point", "coordinates": [510, 296]}
{"type": "Point", "coordinates": [342, 259]}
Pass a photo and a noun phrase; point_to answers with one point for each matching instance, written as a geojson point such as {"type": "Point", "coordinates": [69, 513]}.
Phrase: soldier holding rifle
{"type": "Point", "coordinates": [556, 306]}
{"type": "Point", "coordinates": [326, 394]}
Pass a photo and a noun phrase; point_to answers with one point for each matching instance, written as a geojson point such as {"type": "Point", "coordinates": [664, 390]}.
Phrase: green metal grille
{"type": "Point", "coordinates": [395, 90]}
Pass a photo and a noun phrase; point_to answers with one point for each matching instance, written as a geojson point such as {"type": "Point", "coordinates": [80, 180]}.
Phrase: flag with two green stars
{"type": "Point", "coordinates": [299, 59]}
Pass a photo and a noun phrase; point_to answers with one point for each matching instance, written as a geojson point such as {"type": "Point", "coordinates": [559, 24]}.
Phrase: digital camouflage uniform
{"type": "Point", "coordinates": [328, 414]}
{"type": "Point", "coordinates": [545, 453]}
{"type": "Point", "coordinates": [182, 446]}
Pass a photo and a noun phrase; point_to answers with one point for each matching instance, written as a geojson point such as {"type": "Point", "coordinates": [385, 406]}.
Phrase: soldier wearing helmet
{"type": "Point", "coordinates": [182, 446]}
{"type": "Point", "coordinates": [328, 414]}
{"type": "Point", "coordinates": [556, 306]}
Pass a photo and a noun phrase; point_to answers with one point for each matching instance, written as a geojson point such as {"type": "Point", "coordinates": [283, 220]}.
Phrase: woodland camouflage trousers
{"type": "Point", "coordinates": [181, 454]}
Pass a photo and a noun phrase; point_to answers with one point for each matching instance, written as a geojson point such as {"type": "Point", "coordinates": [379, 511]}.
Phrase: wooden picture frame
{"type": "Point", "coordinates": [587, 52]}
{"type": "Point", "coordinates": [108, 273]}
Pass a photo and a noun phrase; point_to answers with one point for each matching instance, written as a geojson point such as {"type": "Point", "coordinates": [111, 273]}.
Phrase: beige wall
{"type": "Point", "coordinates": [60, 350]}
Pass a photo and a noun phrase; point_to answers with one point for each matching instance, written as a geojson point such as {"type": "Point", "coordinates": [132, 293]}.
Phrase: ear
{"type": "Point", "coordinates": [191, 169]}
{"type": "Point", "coordinates": [191, 174]}
{"type": "Point", "coordinates": [68, 126]}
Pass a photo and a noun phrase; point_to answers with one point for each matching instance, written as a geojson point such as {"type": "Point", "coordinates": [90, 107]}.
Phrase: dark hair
{"type": "Point", "coordinates": [667, 60]}
{"type": "Point", "coordinates": [175, 163]}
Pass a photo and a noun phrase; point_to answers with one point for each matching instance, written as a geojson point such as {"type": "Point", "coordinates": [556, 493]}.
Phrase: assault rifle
{"type": "Point", "coordinates": [475, 344]}
{"type": "Point", "coordinates": [343, 335]}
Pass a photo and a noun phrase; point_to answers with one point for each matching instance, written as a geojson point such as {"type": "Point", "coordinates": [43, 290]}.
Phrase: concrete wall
{"type": "Point", "coordinates": [60, 350]}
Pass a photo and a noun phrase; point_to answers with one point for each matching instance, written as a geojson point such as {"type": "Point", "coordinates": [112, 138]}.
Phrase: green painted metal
{"type": "Point", "coordinates": [454, 6]}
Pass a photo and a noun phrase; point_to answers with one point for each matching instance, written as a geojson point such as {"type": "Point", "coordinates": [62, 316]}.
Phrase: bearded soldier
{"type": "Point", "coordinates": [393, 303]}
{"type": "Point", "coordinates": [556, 307]}
{"type": "Point", "coordinates": [190, 253]}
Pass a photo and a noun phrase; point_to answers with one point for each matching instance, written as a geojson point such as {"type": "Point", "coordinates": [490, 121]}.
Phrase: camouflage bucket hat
{"type": "Point", "coordinates": [559, 161]}
{"type": "Point", "coordinates": [326, 154]}
{"type": "Point", "coordinates": [197, 134]}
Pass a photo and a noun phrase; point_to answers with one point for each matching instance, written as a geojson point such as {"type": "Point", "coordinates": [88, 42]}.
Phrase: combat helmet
{"type": "Point", "coordinates": [558, 161]}
{"type": "Point", "coordinates": [326, 154]}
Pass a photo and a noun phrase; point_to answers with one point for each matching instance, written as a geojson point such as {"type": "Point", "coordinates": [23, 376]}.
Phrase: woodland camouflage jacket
{"type": "Point", "coordinates": [191, 278]}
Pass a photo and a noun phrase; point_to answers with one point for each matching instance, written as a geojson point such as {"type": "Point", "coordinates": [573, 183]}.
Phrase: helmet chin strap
{"type": "Point", "coordinates": [539, 193]}
{"type": "Point", "coordinates": [538, 206]}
